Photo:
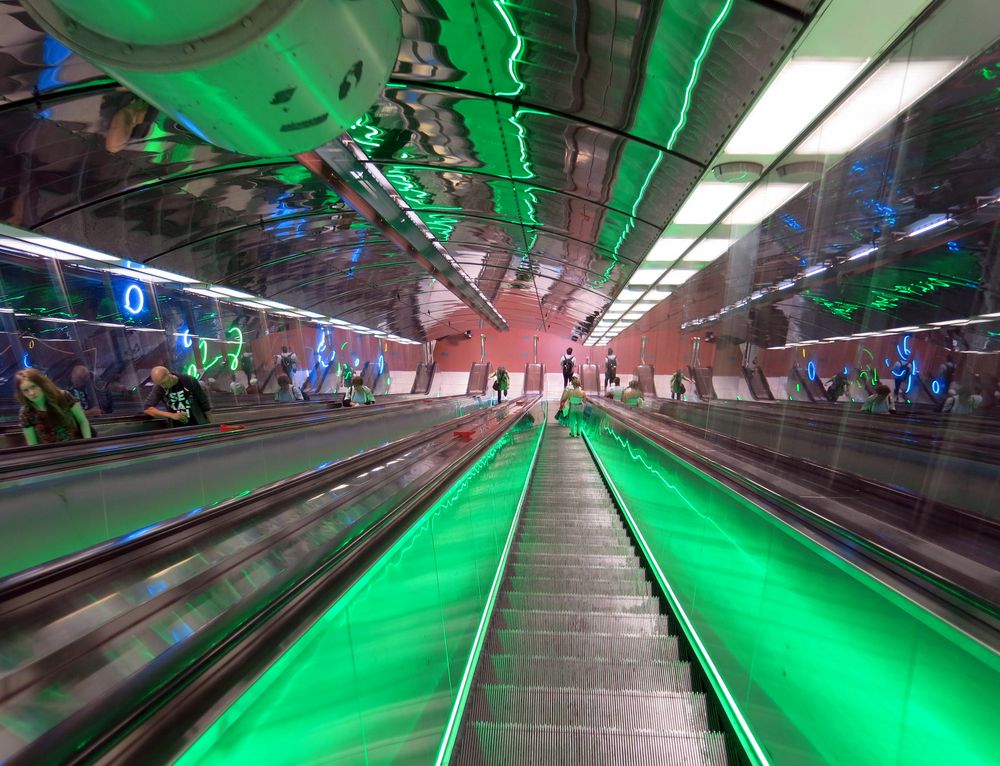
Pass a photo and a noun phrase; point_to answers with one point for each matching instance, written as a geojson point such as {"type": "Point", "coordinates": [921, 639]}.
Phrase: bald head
{"type": "Point", "coordinates": [80, 375]}
{"type": "Point", "coordinates": [161, 376]}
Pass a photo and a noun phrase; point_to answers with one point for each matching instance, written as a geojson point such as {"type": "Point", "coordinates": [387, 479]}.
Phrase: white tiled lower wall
{"type": "Point", "coordinates": [402, 381]}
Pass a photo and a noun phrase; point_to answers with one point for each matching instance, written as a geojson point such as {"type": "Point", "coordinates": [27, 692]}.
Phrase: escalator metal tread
{"type": "Point", "coordinates": [499, 744]}
{"type": "Point", "coordinates": [579, 665]}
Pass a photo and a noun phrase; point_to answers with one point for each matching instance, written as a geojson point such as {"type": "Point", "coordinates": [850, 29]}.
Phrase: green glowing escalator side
{"type": "Point", "coordinates": [826, 664]}
{"type": "Point", "coordinates": [374, 680]}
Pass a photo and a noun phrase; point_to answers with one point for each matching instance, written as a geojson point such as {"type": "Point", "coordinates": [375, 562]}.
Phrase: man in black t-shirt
{"type": "Point", "coordinates": [184, 398]}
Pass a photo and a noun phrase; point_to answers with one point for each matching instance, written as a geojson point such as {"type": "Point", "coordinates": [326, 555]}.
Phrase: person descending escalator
{"type": "Point", "coordinates": [677, 389]}
{"type": "Point", "coordinates": [632, 396]}
{"type": "Point", "coordinates": [568, 363]}
{"type": "Point", "coordinates": [358, 394]}
{"type": "Point", "coordinates": [610, 368]}
{"type": "Point", "coordinates": [572, 402]}
{"type": "Point", "coordinates": [178, 398]}
{"type": "Point", "coordinates": [615, 390]}
{"type": "Point", "coordinates": [880, 403]}
{"type": "Point", "coordinates": [48, 414]}
{"type": "Point", "coordinates": [837, 386]}
{"type": "Point", "coordinates": [287, 391]}
{"type": "Point", "coordinates": [502, 383]}
{"type": "Point", "coordinates": [901, 372]}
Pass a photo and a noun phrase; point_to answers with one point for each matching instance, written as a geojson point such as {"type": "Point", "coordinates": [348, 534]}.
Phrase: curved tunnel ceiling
{"type": "Point", "coordinates": [544, 143]}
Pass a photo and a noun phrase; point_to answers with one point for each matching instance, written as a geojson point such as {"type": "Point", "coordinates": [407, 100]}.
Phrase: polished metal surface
{"type": "Point", "coordinates": [579, 662]}
{"type": "Point", "coordinates": [545, 144]}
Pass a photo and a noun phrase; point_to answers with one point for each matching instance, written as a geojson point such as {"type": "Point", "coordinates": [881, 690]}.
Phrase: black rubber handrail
{"type": "Point", "coordinates": [984, 614]}
{"type": "Point", "coordinates": [43, 459]}
{"type": "Point", "coordinates": [141, 718]}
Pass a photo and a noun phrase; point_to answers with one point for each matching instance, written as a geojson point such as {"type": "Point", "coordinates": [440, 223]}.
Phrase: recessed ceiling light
{"type": "Point", "coordinates": [678, 276]}
{"type": "Point", "coordinates": [707, 202]}
{"type": "Point", "coordinates": [791, 101]}
{"type": "Point", "coordinates": [708, 250]}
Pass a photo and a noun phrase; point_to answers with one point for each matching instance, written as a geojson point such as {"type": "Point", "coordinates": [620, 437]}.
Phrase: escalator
{"type": "Point", "coordinates": [97, 647]}
{"type": "Point", "coordinates": [579, 657]}
{"type": "Point", "coordinates": [56, 499]}
{"type": "Point", "coordinates": [702, 377]}
{"type": "Point", "coordinates": [760, 389]}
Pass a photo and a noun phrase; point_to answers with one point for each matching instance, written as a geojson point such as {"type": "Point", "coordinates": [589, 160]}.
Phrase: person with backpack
{"type": "Point", "coordinates": [502, 383]}
{"type": "Point", "coordinates": [677, 385]}
{"type": "Point", "coordinates": [568, 364]}
{"type": "Point", "coordinates": [359, 393]}
{"type": "Point", "coordinates": [610, 368]}
{"type": "Point", "coordinates": [287, 391]}
{"type": "Point", "coordinates": [288, 361]}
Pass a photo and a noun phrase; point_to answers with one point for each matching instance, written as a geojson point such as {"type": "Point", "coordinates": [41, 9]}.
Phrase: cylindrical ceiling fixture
{"type": "Point", "coordinates": [260, 77]}
{"type": "Point", "coordinates": [738, 172]}
{"type": "Point", "coordinates": [803, 172]}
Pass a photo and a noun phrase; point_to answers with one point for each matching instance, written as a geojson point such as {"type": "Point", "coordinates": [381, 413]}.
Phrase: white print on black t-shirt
{"type": "Point", "coordinates": [179, 400]}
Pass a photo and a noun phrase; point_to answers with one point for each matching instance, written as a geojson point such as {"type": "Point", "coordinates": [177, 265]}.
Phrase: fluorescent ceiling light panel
{"type": "Point", "coordinates": [678, 276]}
{"type": "Point", "coordinates": [134, 274]}
{"type": "Point", "coordinates": [707, 202]}
{"type": "Point", "coordinates": [30, 248]}
{"type": "Point", "coordinates": [658, 293]}
{"type": "Point", "coordinates": [668, 249]}
{"type": "Point", "coordinates": [632, 293]}
{"type": "Point", "coordinates": [310, 314]}
{"type": "Point", "coordinates": [792, 100]}
{"type": "Point", "coordinates": [647, 276]}
{"type": "Point", "coordinates": [230, 293]}
{"type": "Point", "coordinates": [761, 202]}
{"type": "Point", "coordinates": [167, 276]}
{"type": "Point", "coordinates": [206, 293]}
{"type": "Point", "coordinates": [708, 250]}
{"type": "Point", "coordinates": [635, 315]}
{"type": "Point", "coordinates": [890, 90]}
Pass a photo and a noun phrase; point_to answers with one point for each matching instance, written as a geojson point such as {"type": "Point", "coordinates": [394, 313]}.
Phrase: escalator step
{"type": "Point", "coordinates": [595, 647]}
{"type": "Point", "coordinates": [592, 548]}
{"type": "Point", "coordinates": [558, 558]}
{"type": "Point", "coordinates": [595, 587]}
{"type": "Point", "coordinates": [575, 569]}
{"type": "Point", "coordinates": [583, 622]}
{"type": "Point", "coordinates": [665, 676]}
{"type": "Point", "coordinates": [581, 603]}
{"type": "Point", "coordinates": [506, 745]}
{"type": "Point", "coordinates": [638, 711]}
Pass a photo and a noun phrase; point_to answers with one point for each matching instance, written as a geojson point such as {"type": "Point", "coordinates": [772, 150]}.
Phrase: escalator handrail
{"type": "Point", "coordinates": [43, 575]}
{"type": "Point", "coordinates": [145, 724]}
{"type": "Point", "coordinates": [23, 462]}
{"type": "Point", "coordinates": [984, 615]}
{"type": "Point", "coordinates": [877, 430]}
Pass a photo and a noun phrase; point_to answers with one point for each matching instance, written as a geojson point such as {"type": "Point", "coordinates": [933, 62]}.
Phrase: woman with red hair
{"type": "Point", "coordinates": [48, 414]}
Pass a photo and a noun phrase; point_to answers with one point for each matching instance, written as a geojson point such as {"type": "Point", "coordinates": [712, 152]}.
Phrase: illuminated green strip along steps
{"type": "Point", "coordinates": [579, 665]}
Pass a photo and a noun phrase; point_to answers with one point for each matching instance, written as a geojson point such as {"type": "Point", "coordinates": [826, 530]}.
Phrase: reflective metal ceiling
{"type": "Point", "coordinates": [545, 142]}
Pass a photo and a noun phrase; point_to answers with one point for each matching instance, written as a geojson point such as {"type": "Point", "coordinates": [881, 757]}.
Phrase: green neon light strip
{"type": "Point", "coordinates": [518, 46]}
{"type": "Point", "coordinates": [239, 349]}
{"type": "Point", "coordinates": [696, 71]}
{"type": "Point", "coordinates": [465, 685]}
{"type": "Point", "coordinates": [740, 724]}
